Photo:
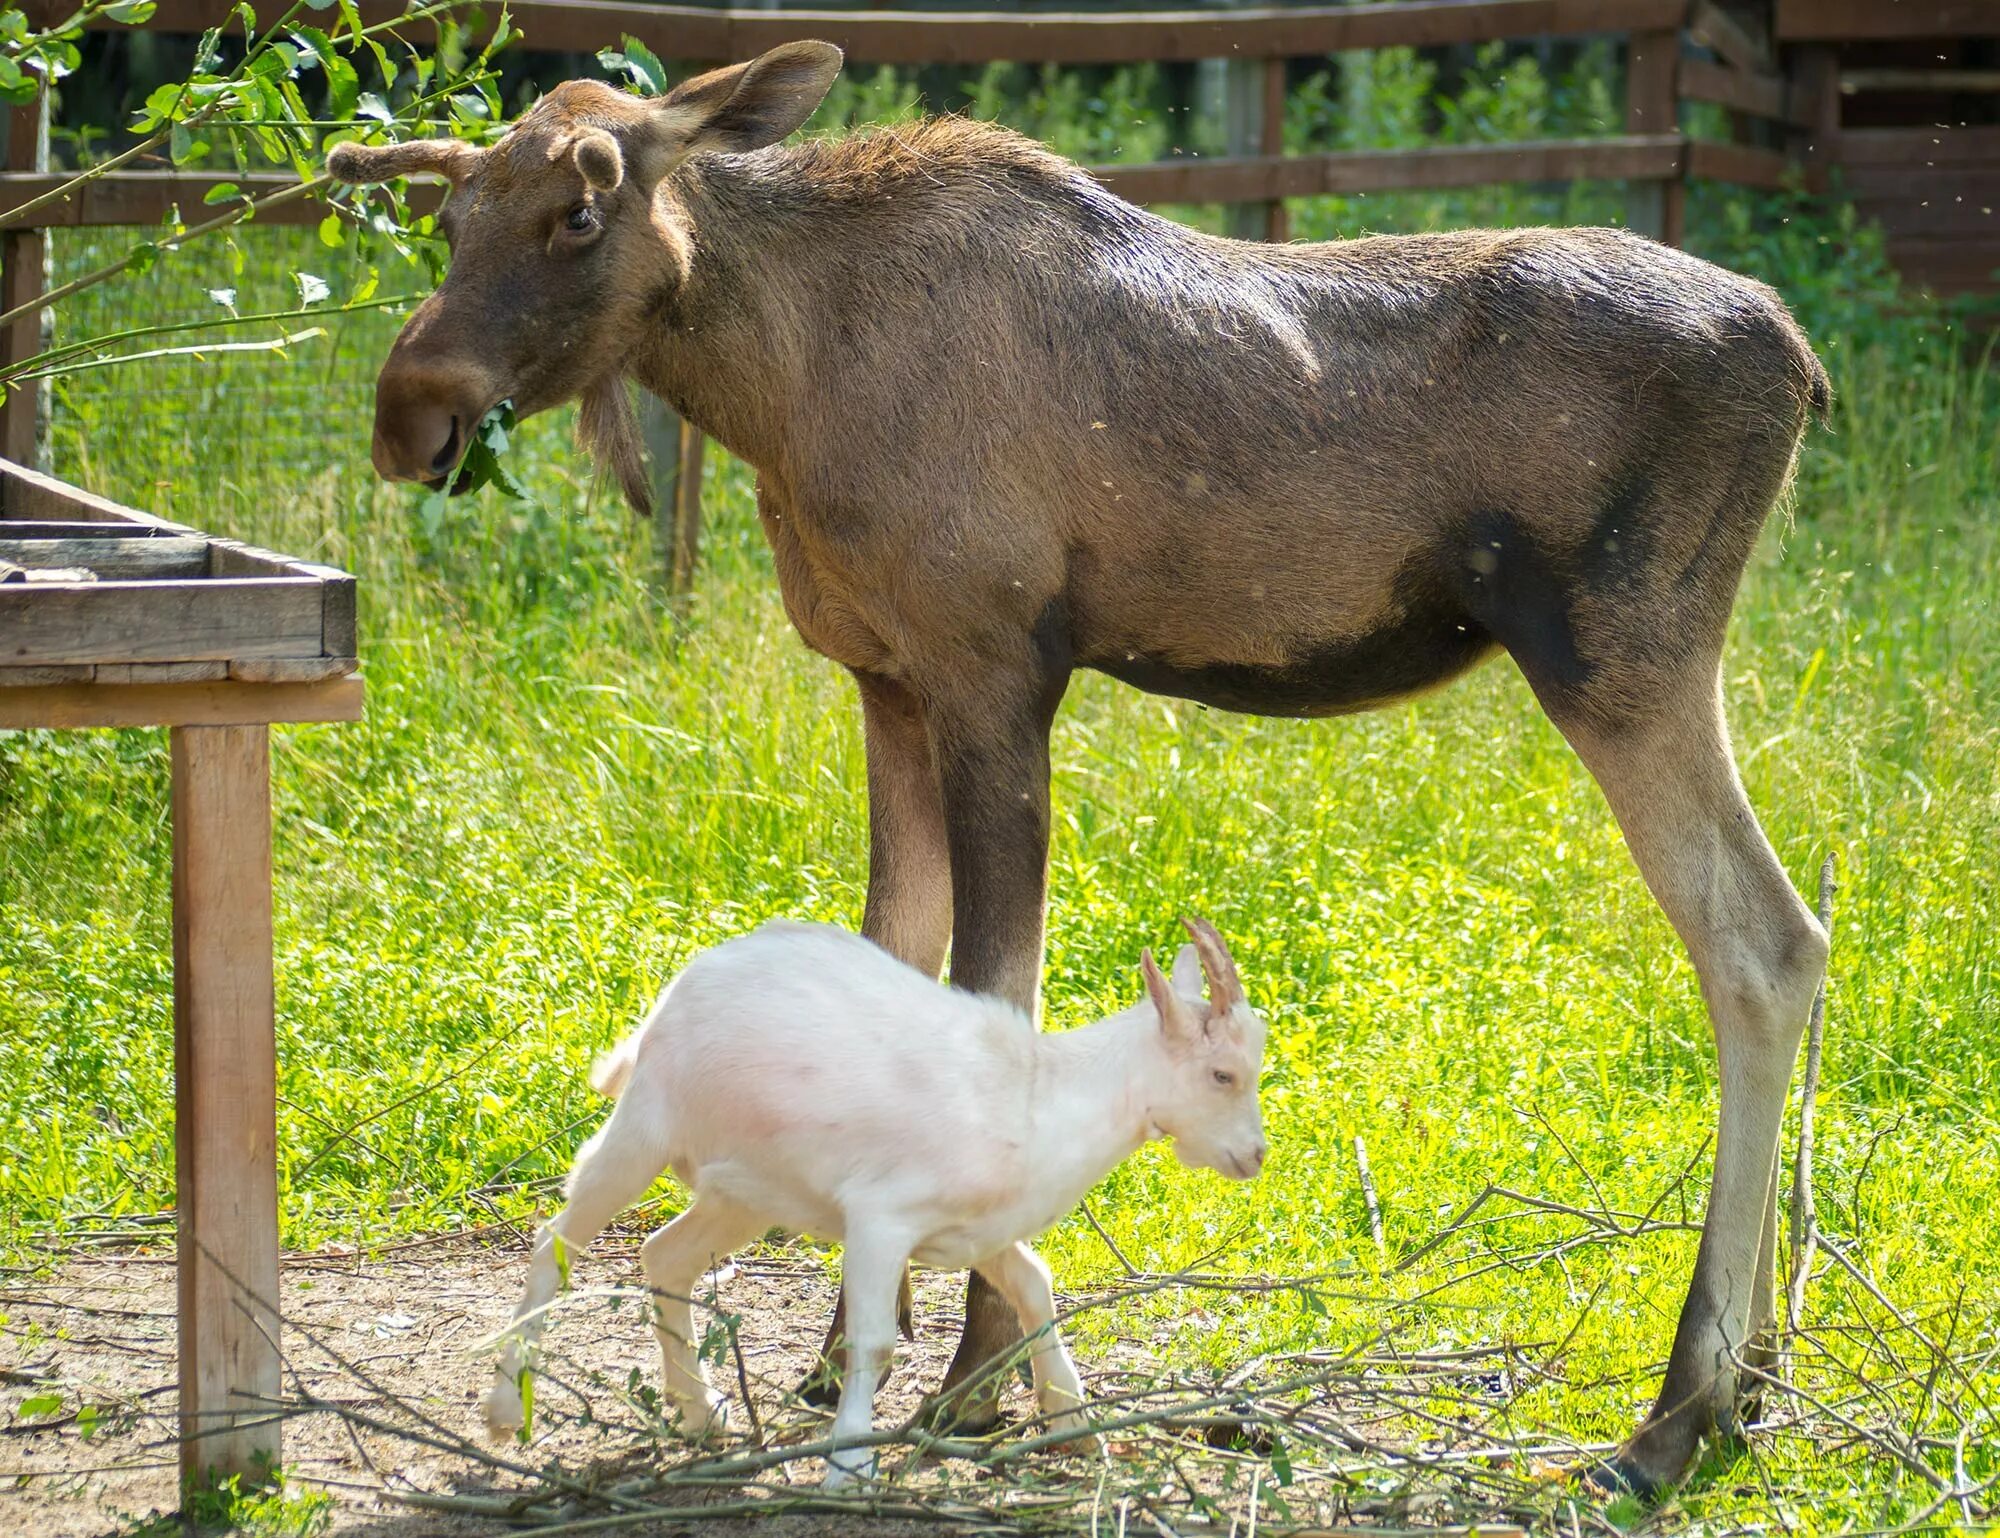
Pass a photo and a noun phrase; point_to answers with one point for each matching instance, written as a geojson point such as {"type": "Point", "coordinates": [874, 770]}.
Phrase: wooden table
{"type": "Point", "coordinates": [110, 617]}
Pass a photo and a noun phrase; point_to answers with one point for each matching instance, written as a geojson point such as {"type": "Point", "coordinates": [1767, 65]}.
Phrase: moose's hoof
{"type": "Point", "coordinates": [1623, 1474]}
{"type": "Point", "coordinates": [952, 1415]}
{"type": "Point", "coordinates": [820, 1387]}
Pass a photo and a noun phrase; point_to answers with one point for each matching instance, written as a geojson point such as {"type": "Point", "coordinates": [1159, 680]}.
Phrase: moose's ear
{"type": "Point", "coordinates": [598, 160]}
{"type": "Point", "coordinates": [748, 106]}
{"type": "Point", "coordinates": [452, 159]}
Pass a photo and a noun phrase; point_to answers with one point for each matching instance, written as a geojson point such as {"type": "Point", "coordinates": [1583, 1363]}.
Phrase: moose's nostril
{"type": "Point", "coordinates": [445, 458]}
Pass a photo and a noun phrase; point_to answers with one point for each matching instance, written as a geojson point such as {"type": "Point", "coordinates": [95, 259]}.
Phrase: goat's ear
{"type": "Point", "coordinates": [1177, 1021]}
{"type": "Point", "coordinates": [452, 159]}
{"type": "Point", "coordinates": [749, 106]}
{"type": "Point", "coordinates": [1187, 973]}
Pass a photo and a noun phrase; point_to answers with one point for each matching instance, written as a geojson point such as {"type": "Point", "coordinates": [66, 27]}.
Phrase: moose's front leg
{"type": "Point", "coordinates": [992, 750]}
{"type": "Point", "coordinates": [909, 897]}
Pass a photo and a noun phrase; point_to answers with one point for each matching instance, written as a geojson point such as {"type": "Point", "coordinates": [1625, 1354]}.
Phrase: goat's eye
{"type": "Point", "coordinates": [581, 218]}
{"type": "Point", "coordinates": [1224, 1077]}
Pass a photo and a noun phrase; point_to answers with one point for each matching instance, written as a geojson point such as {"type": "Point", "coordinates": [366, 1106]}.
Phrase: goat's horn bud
{"type": "Point", "coordinates": [1225, 987]}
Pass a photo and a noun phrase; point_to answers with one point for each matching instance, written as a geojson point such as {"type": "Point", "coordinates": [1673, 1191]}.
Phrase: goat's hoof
{"type": "Point", "coordinates": [504, 1411]}
{"type": "Point", "coordinates": [846, 1465]}
{"type": "Point", "coordinates": [1079, 1439]}
{"type": "Point", "coordinates": [704, 1419]}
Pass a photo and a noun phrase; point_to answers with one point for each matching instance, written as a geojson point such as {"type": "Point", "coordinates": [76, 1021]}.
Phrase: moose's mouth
{"type": "Point", "coordinates": [455, 482]}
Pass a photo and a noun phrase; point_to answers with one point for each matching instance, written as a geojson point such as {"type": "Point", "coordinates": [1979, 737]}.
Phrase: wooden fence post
{"type": "Point", "coordinates": [1652, 106]}
{"type": "Point", "coordinates": [1815, 88]}
{"type": "Point", "coordinates": [1247, 97]}
{"type": "Point", "coordinates": [24, 257]}
{"type": "Point", "coordinates": [225, 1101]}
{"type": "Point", "coordinates": [1277, 223]}
{"type": "Point", "coordinates": [675, 449]}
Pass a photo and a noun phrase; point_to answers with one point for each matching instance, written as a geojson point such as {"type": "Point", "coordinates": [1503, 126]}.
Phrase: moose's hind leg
{"type": "Point", "coordinates": [1759, 953]}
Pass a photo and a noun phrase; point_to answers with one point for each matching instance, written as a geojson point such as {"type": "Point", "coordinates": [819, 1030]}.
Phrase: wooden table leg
{"type": "Point", "coordinates": [225, 1100]}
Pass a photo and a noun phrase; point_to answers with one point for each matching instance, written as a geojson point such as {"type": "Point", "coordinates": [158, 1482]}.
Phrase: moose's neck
{"type": "Point", "coordinates": [728, 349]}
{"type": "Point", "coordinates": [1093, 1090]}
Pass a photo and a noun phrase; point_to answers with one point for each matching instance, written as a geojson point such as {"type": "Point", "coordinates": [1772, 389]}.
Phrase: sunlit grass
{"type": "Point", "coordinates": [562, 790]}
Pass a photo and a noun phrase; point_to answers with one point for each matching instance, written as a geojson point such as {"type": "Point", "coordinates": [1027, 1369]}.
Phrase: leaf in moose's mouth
{"type": "Point", "coordinates": [484, 463]}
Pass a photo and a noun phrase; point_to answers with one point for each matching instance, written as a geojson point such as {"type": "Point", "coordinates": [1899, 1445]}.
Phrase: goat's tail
{"type": "Point", "coordinates": [614, 1070]}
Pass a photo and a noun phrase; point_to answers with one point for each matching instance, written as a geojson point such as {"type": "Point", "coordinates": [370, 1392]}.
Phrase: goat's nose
{"type": "Point", "coordinates": [1257, 1155]}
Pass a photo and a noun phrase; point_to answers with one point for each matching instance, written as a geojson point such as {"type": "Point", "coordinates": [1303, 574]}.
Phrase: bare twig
{"type": "Point", "coordinates": [1805, 1221]}
{"type": "Point", "coordinates": [1368, 1194]}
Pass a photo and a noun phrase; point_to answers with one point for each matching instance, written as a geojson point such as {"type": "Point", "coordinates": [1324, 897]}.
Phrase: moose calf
{"type": "Point", "coordinates": [801, 1077]}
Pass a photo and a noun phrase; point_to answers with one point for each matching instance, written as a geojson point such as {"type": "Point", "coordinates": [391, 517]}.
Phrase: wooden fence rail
{"type": "Point", "coordinates": [1676, 50]}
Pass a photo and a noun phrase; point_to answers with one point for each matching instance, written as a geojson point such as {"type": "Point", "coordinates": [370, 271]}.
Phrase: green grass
{"type": "Point", "coordinates": [562, 791]}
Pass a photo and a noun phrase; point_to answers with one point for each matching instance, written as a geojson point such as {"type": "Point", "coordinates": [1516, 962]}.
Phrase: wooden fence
{"type": "Point", "coordinates": [1676, 51]}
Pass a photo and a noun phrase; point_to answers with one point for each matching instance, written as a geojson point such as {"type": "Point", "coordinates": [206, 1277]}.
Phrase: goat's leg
{"type": "Point", "coordinates": [871, 1264]}
{"type": "Point", "coordinates": [1759, 953]}
{"type": "Point", "coordinates": [992, 749]}
{"type": "Point", "coordinates": [908, 912]}
{"type": "Point", "coordinates": [1022, 1277]}
{"type": "Point", "coordinates": [612, 1171]}
{"type": "Point", "coordinates": [674, 1258]}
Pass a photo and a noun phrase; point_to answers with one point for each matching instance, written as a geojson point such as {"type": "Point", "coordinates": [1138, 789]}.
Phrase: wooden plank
{"type": "Point", "coordinates": [1927, 82]}
{"type": "Point", "coordinates": [1729, 39]}
{"type": "Point", "coordinates": [1946, 264]}
{"type": "Point", "coordinates": [1744, 165]}
{"type": "Point", "coordinates": [112, 559]}
{"type": "Point", "coordinates": [27, 493]}
{"type": "Point", "coordinates": [1352, 171]}
{"type": "Point", "coordinates": [161, 672]}
{"type": "Point", "coordinates": [1765, 96]}
{"type": "Point", "coordinates": [1916, 148]}
{"type": "Point", "coordinates": [233, 558]}
{"type": "Point", "coordinates": [888, 37]}
{"type": "Point", "coordinates": [1975, 185]}
{"type": "Point", "coordinates": [291, 670]}
{"type": "Point", "coordinates": [339, 633]}
{"type": "Point", "coordinates": [225, 1101]}
{"type": "Point", "coordinates": [77, 528]}
{"type": "Point", "coordinates": [42, 677]}
{"type": "Point", "coordinates": [1953, 217]}
{"type": "Point", "coordinates": [146, 198]}
{"type": "Point", "coordinates": [190, 621]}
{"type": "Point", "coordinates": [193, 704]}
{"type": "Point", "coordinates": [1839, 21]}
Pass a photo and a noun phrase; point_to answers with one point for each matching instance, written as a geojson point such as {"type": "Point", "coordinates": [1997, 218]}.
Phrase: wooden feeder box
{"type": "Point", "coordinates": [110, 617]}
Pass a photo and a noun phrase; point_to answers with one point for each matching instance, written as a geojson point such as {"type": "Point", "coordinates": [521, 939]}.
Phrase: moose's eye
{"type": "Point", "coordinates": [582, 219]}
{"type": "Point", "coordinates": [1224, 1077]}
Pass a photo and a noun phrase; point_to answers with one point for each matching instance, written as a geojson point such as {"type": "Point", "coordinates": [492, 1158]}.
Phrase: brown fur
{"type": "Point", "coordinates": [1006, 425]}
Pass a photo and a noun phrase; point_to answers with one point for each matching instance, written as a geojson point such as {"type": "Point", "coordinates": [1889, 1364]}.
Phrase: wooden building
{"type": "Point", "coordinates": [1907, 99]}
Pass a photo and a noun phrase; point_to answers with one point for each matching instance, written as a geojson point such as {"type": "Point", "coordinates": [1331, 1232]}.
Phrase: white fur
{"type": "Point", "coordinates": [800, 1077]}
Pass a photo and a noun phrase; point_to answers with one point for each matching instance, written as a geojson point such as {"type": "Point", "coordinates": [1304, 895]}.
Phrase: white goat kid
{"type": "Point", "coordinates": [800, 1077]}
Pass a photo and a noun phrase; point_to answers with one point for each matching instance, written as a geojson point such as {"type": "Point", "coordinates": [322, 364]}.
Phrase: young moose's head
{"type": "Point", "coordinates": [1216, 1048]}
{"type": "Point", "coordinates": [565, 238]}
